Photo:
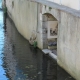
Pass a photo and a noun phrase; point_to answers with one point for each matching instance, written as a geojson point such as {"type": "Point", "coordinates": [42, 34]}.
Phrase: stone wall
{"type": "Point", "coordinates": [24, 15]}
{"type": "Point", "coordinates": [69, 44]}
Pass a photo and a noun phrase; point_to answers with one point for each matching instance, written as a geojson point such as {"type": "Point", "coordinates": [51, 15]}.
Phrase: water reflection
{"type": "Point", "coordinates": [23, 62]}
{"type": "Point", "coordinates": [2, 71]}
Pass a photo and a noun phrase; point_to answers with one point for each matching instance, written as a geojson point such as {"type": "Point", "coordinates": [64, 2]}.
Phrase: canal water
{"type": "Point", "coordinates": [2, 71]}
{"type": "Point", "coordinates": [20, 61]}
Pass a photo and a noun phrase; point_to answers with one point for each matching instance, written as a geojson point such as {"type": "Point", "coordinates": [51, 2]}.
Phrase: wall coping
{"type": "Point", "coordinates": [59, 7]}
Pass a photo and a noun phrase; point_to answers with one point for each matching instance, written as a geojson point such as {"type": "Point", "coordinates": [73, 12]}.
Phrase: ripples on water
{"type": "Point", "coordinates": [23, 61]}
{"type": "Point", "coordinates": [2, 71]}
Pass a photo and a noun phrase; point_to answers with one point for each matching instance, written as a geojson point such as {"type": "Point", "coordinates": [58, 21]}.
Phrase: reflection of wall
{"type": "Point", "coordinates": [52, 25]}
{"type": "Point", "coordinates": [29, 60]}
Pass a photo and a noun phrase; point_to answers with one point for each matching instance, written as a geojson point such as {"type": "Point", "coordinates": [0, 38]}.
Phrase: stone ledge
{"type": "Point", "coordinates": [48, 52]}
{"type": "Point", "coordinates": [59, 7]}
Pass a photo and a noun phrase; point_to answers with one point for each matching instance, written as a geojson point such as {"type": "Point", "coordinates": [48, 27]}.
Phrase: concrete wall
{"type": "Point", "coordinates": [69, 3]}
{"type": "Point", "coordinates": [68, 44]}
{"type": "Point", "coordinates": [24, 15]}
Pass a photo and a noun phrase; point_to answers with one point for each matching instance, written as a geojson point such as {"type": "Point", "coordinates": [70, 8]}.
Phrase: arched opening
{"type": "Point", "coordinates": [49, 30]}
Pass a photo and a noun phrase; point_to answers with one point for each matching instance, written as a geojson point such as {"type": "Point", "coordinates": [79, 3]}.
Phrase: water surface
{"type": "Point", "coordinates": [2, 70]}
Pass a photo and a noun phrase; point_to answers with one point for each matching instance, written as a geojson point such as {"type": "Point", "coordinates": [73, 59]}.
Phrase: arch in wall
{"type": "Point", "coordinates": [49, 30]}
